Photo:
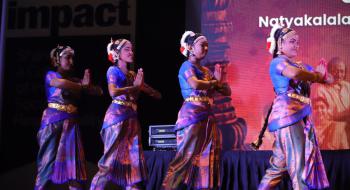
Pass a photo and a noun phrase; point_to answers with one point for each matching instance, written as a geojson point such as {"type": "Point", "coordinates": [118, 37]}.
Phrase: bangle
{"type": "Point", "coordinates": [212, 84]}
{"type": "Point", "coordinates": [318, 78]}
{"type": "Point", "coordinates": [131, 89]}
{"type": "Point", "coordinates": [219, 86]}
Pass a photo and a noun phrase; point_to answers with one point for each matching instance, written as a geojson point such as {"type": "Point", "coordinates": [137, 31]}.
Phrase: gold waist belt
{"type": "Point", "coordinates": [69, 108]}
{"type": "Point", "coordinates": [198, 99]}
{"type": "Point", "coordinates": [125, 103]}
{"type": "Point", "coordinates": [301, 98]}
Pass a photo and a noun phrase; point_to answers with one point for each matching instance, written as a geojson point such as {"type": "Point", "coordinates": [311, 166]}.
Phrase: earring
{"type": "Point", "coordinates": [57, 62]}
{"type": "Point", "coordinates": [279, 52]}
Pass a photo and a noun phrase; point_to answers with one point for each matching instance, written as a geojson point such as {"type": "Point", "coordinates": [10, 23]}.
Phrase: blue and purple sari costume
{"type": "Point", "coordinates": [61, 155]}
{"type": "Point", "coordinates": [295, 149]}
{"type": "Point", "coordinates": [196, 163]}
{"type": "Point", "coordinates": [123, 161]}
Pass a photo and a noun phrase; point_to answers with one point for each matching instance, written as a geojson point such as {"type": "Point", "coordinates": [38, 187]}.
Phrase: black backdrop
{"type": "Point", "coordinates": [159, 26]}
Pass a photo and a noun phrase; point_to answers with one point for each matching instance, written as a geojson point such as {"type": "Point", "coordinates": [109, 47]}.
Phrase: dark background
{"type": "Point", "coordinates": [159, 26]}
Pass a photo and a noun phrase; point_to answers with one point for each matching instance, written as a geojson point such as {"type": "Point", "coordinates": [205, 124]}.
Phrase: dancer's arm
{"type": "Point", "coordinates": [198, 84]}
{"type": "Point", "coordinates": [66, 84]}
{"type": "Point", "coordinates": [151, 91]}
{"type": "Point", "coordinates": [137, 85]}
{"type": "Point", "coordinates": [303, 75]}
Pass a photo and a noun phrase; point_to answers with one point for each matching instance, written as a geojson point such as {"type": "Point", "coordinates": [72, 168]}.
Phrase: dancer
{"type": "Point", "coordinates": [61, 155]}
{"type": "Point", "coordinates": [295, 148]}
{"type": "Point", "coordinates": [123, 161]}
{"type": "Point", "coordinates": [196, 163]}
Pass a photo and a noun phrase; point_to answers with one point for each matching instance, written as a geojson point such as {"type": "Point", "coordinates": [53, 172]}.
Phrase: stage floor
{"type": "Point", "coordinates": [241, 170]}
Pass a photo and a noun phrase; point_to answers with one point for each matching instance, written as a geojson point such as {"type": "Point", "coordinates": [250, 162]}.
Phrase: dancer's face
{"type": "Point", "coordinates": [338, 71]}
{"type": "Point", "coordinates": [290, 46]}
{"type": "Point", "coordinates": [126, 53]}
{"type": "Point", "coordinates": [66, 62]}
{"type": "Point", "coordinates": [200, 48]}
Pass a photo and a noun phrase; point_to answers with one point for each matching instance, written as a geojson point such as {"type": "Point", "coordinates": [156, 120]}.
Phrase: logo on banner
{"type": "Point", "coordinates": [306, 20]}
{"type": "Point", "coordinates": [69, 18]}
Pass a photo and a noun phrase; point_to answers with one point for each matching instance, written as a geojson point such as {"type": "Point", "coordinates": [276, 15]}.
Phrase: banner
{"type": "Point", "coordinates": [237, 33]}
{"type": "Point", "coordinates": [30, 18]}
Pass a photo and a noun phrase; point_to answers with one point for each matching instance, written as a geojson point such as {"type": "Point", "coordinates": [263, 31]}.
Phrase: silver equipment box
{"type": "Point", "coordinates": [162, 137]}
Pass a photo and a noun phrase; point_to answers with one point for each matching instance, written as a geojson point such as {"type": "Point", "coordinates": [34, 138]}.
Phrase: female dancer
{"type": "Point", "coordinates": [123, 161]}
{"type": "Point", "coordinates": [61, 155]}
{"type": "Point", "coordinates": [196, 163]}
{"type": "Point", "coordinates": [295, 149]}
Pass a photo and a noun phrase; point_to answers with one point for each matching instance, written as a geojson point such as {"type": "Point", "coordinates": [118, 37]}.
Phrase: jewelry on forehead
{"type": "Point", "coordinates": [287, 35]}
{"type": "Point", "coordinates": [121, 44]}
{"type": "Point", "coordinates": [200, 37]}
